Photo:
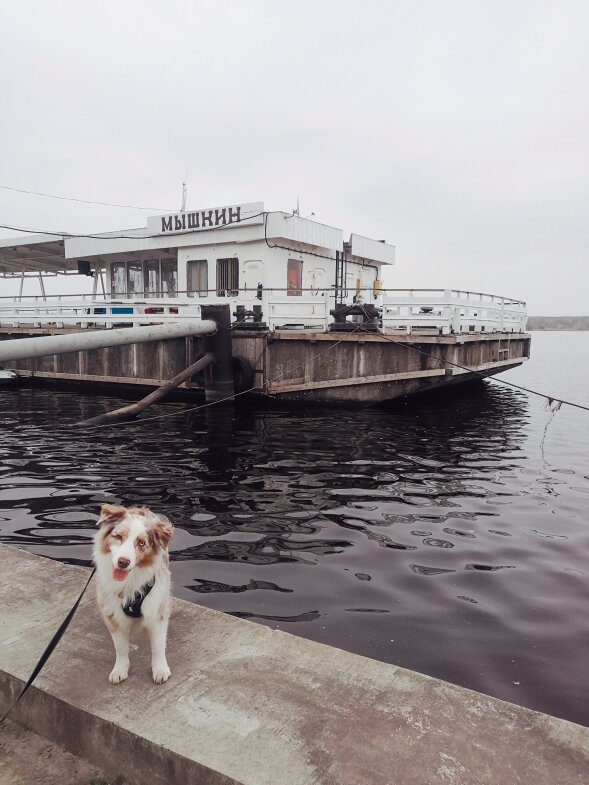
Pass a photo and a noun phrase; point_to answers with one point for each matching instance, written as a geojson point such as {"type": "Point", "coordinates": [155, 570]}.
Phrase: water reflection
{"type": "Point", "coordinates": [205, 587]}
{"type": "Point", "coordinates": [417, 534]}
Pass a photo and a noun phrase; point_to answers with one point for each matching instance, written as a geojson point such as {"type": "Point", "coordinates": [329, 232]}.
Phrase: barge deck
{"type": "Point", "coordinates": [309, 316]}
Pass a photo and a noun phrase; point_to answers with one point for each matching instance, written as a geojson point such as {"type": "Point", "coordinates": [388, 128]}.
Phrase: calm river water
{"type": "Point", "coordinates": [448, 535]}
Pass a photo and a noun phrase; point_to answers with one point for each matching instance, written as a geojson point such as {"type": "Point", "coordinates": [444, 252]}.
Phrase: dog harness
{"type": "Point", "coordinates": [132, 607]}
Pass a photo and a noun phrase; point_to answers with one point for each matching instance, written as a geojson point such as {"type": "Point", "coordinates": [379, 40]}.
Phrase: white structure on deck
{"type": "Point", "coordinates": [291, 271]}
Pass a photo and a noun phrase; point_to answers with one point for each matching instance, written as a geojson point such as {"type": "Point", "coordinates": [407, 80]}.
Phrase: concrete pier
{"type": "Point", "coordinates": [246, 704]}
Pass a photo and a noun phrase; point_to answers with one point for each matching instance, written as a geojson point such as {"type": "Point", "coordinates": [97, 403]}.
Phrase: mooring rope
{"type": "Point", "coordinates": [553, 408]}
{"type": "Point", "coordinates": [550, 398]}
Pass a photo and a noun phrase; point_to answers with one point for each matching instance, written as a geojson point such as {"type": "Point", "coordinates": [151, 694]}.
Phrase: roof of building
{"type": "Point", "coordinates": [34, 253]}
{"type": "Point", "coordinates": [48, 253]}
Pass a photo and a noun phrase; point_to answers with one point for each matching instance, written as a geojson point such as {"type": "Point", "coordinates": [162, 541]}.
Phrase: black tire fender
{"type": "Point", "coordinates": [243, 375]}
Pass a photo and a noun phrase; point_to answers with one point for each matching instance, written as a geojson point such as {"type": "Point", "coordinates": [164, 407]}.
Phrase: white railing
{"type": "Point", "coordinates": [437, 311]}
{"type": "Point", "coordinates": [304, 312]}
{"type": "Point", "coordinates": [65, 312]}
{"type": "Point", "coordinates": [447, 311]}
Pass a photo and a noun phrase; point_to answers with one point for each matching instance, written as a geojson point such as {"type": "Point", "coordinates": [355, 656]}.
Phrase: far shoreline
{"type": "Point", "coordinates": [565, 323]}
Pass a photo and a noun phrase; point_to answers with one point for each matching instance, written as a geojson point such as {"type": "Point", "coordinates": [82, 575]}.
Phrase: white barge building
{"type": "Point", "coordinates": [308, 315]}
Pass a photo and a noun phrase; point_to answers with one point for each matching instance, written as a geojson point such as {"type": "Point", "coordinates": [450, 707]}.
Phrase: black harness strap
{"type": "Point", "coordinates": [132, 607]}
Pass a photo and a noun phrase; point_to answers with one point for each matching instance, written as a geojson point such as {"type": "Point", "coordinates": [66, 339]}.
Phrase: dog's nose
{"type": "Point", "coordinates": [123, 563]}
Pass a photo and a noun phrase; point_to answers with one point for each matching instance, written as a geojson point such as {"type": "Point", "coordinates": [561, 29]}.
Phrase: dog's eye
{"type": "Point", "coordinates": [117, 537]}
{"type": "Point", "coordinates": [141, 543]}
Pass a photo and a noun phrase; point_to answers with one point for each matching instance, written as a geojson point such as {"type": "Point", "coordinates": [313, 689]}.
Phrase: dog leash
{"type": "Point", "coordinates": [50, 647]}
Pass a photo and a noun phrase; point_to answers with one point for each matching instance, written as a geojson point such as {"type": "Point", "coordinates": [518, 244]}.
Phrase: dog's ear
{"type": "Point", "coordinates": [162, 531]}
{"type": "Point", "coordinates": [110, 514]}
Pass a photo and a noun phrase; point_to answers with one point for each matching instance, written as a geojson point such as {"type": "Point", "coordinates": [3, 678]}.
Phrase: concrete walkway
{"type": "Point", "coordinates": [251, 705]}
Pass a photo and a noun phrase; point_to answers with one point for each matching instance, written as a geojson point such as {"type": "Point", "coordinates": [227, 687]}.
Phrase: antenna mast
{"type": "Point", "coordinates": [184, 194]}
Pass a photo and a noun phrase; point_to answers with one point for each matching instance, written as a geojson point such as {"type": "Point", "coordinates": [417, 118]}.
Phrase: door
{"type": "Point", "coordinates": [252, 276]}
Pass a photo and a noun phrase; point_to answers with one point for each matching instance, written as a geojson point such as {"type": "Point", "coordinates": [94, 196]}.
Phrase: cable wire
{"type": "Point", "coordinates": [550, 398]}
{"type": "Point", "coordinates": [83, 201]}
{"type": "Point", "coordinates": [134, 236]}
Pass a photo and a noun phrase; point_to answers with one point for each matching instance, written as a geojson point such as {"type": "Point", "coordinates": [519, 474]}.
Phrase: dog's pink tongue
{"type": "Point", "coordinates": [119, 575]}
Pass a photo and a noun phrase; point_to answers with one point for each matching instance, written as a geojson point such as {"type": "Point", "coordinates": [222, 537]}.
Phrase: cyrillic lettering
{"type": "Point", "coordinates": [220, 217]}
{"type": "Point", "coordinates": [193, 221]}
{"type": "Point", "coordinates": [178, 224]}
{"type": "Point", "coordinates": [166, 224]}
{"type": "Point", "coordinates": [206, 218]}
{"type": "Point", "coordinates": [234, 215]}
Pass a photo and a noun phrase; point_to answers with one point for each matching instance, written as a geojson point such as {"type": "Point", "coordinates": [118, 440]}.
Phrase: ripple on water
{"type": "Point", "coordinates": [421, 569]}
{"type": "Point", "coordinates": [459, 533]}
{"type": "Point", "coordinates": [433, 542]}
{"type": "Point", "coordinates": [301, 518]}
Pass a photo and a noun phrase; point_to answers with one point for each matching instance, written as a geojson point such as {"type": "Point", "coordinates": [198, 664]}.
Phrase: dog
{"type": "Point", "coordinates": [133, 582]}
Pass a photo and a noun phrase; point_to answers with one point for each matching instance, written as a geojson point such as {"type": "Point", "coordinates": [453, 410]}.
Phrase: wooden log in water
{"type": "Point", "coordinates": [131, 411]}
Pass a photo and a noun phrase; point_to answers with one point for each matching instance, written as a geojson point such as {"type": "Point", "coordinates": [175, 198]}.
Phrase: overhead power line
{"type": "Point", "coordinates": [82, 201]}
{"type": "Point", "coordinates": [122, 236]}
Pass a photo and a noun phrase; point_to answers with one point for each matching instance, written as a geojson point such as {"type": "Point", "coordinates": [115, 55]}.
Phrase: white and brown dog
{"type": "Point", "coordinates": [133, 582]}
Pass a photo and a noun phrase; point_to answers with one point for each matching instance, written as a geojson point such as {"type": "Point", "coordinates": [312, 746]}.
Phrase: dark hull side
{"type": "Point", "coordinates": [358, 369]}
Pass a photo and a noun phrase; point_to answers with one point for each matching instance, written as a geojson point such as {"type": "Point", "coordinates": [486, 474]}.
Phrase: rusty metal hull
{"type": "Point", "coordinates": [294, 366]}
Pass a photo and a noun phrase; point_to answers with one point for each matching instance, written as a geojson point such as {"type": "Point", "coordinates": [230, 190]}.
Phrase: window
{"type": "Point", "coordinates": [151, 277]}
{"type": "Point", "coordinates": [294, 277]}
{"type": "Point", "coordinates": [197, 277]}
{"type": "Point", "coordinates": [118, 279]}
{"type": "Point", "coordinates": [169, 278]}
{"type": "Point", "coordinates": [227, 277]}
{"type": "Point", "coordinates": [134, 278]}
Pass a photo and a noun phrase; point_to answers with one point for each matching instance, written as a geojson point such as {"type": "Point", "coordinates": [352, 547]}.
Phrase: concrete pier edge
{"type": "Point", "coordinates": [255, 706]}
{"type": "Point", "coordinates": [107, 745]}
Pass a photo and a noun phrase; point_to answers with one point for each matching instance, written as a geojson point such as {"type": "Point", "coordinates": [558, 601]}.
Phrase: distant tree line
{"type": "Point", "coordinates": [558, 322]}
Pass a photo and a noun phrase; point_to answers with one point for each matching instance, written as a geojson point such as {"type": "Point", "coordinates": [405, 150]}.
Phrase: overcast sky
{"type": "Point", "coordinates": [457, 130]}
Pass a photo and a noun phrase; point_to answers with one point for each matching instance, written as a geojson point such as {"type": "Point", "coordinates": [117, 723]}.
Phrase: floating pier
{"type": "Point", "coordinates": [354, 368]}
{"type": "Point", "coordinates": [253, 706]}
{"type": "Point", "coordinates": [308, 319]}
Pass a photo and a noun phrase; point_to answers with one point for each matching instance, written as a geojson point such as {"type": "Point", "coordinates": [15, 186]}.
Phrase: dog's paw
{"type": "Point", "coordinates": [118, 674]}
{"type": "Point", "coordinates": [161, 672]}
